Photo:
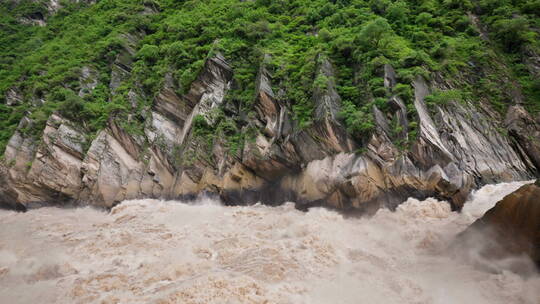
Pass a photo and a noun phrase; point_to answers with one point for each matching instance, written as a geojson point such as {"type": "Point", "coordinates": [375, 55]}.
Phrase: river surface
{"type": "Point", "coordinates": [150, 251]}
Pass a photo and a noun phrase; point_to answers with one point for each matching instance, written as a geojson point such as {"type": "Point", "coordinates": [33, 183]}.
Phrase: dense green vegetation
{"type": "Point", "coordinates": [433, 37]}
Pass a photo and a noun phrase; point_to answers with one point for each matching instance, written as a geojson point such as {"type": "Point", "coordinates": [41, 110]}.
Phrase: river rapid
{"type": "Point", "coordinates": [151, 251]}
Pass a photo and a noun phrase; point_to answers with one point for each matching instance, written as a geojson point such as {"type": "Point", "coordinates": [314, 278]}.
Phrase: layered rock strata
{"type": "Point", "coordinates": [459, 147]}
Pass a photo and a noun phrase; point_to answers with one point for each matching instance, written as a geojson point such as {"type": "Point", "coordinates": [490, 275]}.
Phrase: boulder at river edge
{"type": "Point", "coordinates": [512, 226]}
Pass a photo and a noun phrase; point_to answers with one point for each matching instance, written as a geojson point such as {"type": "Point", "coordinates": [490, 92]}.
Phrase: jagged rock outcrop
{"type": "Point", "coordinates": [271, 113]}
{"type": "Point", "coordinates": [512, 226]}
{"type": "Point", "coordinates": [57, 162]}
{"type": "Point", "coordinates": [464, 142]}
{"type": "Point", "coordinates": [458, 149]}
{"type": "Point", "coordinates": [114, 170]}
{"type": "Point", "coordinates": [169, 104]}
{"type": "Point", "coordinates": [208, 90]}
{"type": "Point", "coordinates": [47, 170]}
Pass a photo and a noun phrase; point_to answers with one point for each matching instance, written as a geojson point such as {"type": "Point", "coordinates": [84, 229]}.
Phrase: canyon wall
{"type": "Point", "coordinates": [460, 146]}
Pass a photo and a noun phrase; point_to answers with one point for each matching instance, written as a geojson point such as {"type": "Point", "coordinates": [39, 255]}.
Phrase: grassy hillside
{"type": "Point", "coordinates": [485, 61]}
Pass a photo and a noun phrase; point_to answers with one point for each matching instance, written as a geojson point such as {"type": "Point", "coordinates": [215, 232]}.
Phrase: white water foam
{"type": "Point", "coordinates": [149, 251]}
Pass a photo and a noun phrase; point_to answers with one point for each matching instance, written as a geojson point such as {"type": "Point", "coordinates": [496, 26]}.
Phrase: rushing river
{"type": "Point", "coordinates": [150, 251]}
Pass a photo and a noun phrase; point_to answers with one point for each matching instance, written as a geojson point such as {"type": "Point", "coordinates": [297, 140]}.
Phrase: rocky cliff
{"type": "Point", "coordinates": [177, 139]}
{"type": "Point", "coordinates": [459, 148]}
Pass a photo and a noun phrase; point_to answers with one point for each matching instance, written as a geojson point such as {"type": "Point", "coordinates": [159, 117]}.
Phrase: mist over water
{"type": "Point", "coordinates": [149, 251]}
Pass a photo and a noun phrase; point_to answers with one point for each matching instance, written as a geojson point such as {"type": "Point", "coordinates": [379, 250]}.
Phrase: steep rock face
{"type": "Point", "coordinates": [452, 155]}
{"type": "Point", "coordinates": [117, 168]}
{"type": "Point", "coordinates": [327, 106]}
{"type": "Point", "coordinates": [458, 149]}
{"type": "Point", "coordinates": [48, 171]}
{"type": "Point", "coordinates": [208, 90]}
{"type": "Point", "coordinates": [172, 115]}
{"type": "Point", "coordinates": [19, 155]}
{"type": "Point", "coordinates": [513, 225]}
{"type": "Point", "coordinates": [269, 110]}
{"type": "Point", "coordinates": [343, 181]}
{"type": "Point", "coordinates": [327, 100]}
{"type": "Point", "coordinates": [465, 144]}
{"type": "Point", "coordinates": [20, 149]}
{"type": "Point", "coordinates": [113, 173]}
{"type": "Point", "coordinates": [57, 162]}
{"type": "Point", "coordinates": [169, 104]}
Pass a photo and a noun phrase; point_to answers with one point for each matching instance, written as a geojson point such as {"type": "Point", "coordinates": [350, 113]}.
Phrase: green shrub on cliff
{"type": "Point", "coordinates": [439, 97]}
{"type": "Point", "coordinates": [358, 36]}
{"type": "Point", "coordinates": [359, 122]}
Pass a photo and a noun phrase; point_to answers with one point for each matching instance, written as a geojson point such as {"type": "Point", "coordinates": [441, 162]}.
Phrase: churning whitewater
{"type": "Point", "coordinates": [149, 251]}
